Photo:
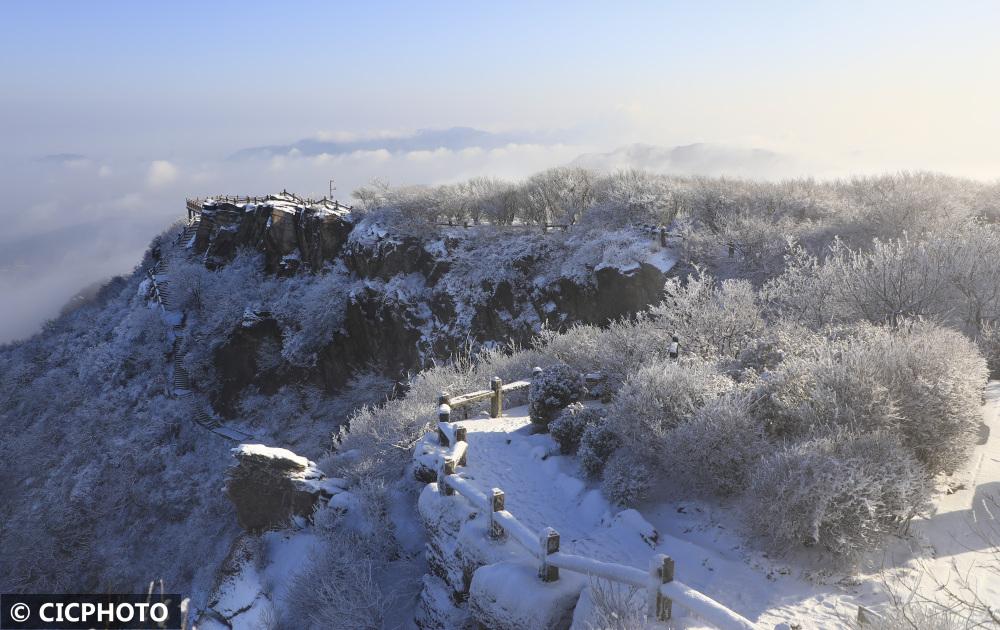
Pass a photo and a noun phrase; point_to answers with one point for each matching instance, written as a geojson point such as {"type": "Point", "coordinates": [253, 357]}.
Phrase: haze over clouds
{"type": "Point", "coordinates": [112, 113]}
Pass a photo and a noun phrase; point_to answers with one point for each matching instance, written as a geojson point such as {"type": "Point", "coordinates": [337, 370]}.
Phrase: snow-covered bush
{"type": "Point", "coordinates": [556, 387]}
{"type": "Point", "coordinates": [658, 397]}
{"type": "Point", "coordinates": [597, 444]}
{"type": "Point", "coordinates": [338, 589]}
{"type": "Point", "coordinates": [631, 196]}
{"type": "Point", "coordinates": [989, 345]}
{"type": "Point", "coordinates": [569, 425]}
{"type": "Point", "coordinates": [613, 606]}
{"type": "Point", "coordinates": [627, 479]}
{"type": "Point", "coordinates": [842, 491]}
{"type": "Point", "coordinates": [839, 386]}
{"type": "Point", "coordinates": [614, 351]}
{"type": "Point", "coordinates": [711, 319]}
{"type": "Point", "coordinates": [782, 340]}
{"type": "Point", "coordinates": [936, 377]}
{"type": "Point", "coordinates": [715, 451]}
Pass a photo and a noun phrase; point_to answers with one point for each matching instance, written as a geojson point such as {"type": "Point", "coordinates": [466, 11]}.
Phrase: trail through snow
{"type": "Point", "coordinates": [544, 489]}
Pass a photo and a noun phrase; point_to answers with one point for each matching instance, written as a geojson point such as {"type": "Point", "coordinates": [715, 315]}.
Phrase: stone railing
{"type": "Point", "coordinates": [662, 589]}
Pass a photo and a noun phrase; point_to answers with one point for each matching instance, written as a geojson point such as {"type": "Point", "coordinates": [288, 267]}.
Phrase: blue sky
{"type": "Point", "coordinates": [245, 73]}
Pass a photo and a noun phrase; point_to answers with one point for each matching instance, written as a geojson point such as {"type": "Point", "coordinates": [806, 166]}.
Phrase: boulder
{"type": "Point", "coordinates": [509, 596]}
{"type": "Point", "coordinates": [269, 486]}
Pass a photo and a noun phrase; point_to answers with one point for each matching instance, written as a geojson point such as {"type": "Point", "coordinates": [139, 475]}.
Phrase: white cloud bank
{"type": "Point", "coordinates": [161, 173]}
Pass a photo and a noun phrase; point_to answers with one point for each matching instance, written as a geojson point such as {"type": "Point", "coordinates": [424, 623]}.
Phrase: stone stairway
{"type": "Point", "coordinates": [181, 382]}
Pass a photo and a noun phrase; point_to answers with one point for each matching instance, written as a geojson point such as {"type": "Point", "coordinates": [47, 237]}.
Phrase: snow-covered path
{"type": "Point", "coordinates": [545, 490]}
{"type": "Point", "coordinates": [962, 536]}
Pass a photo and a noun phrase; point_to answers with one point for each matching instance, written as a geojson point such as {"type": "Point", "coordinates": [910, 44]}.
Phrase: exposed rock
{"type": "Point", "coordinates": [389, 257]}
{"type": "Point", "coordinates": [458, 543]}
{"type": "Point", "coordinates": [413, 309]}
{"type": "Point", "coordinates": [509, 596]}
{"type": "Point", "coordinates": [237, 363]}
{"type": "Point", "coordinates": [289, 232]}
{"type": "Point", "coordinates": [375, 334]}
{"type": "Point", "coordinates": [271, 485]}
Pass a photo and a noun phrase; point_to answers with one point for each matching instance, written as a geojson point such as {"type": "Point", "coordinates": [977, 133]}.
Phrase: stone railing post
{"type": "Point", "coordinates": [447, 468]}
{"type": "Point", "coordinates": [496, 505]}
{"type": "Point", "coordinates": [461, 435]}
{"type": "Point", "coordinates": [549, 544]}
{"type": "Point", "coordinates": [661, 571]}
{"type": "Point", "coordinates": [496, 403]}
{"type": "Point", "coordinates": [444, 415]}
{"type": "Point", "coordinates": [675, 347]}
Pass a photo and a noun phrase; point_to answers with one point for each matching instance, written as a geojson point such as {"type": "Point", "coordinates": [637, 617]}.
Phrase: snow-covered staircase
{"type": "Point", "coordinates": [181, 381]}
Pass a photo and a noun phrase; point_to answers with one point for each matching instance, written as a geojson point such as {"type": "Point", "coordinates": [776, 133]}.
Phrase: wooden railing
{"type": "Point", "coordinates": [661, 587]}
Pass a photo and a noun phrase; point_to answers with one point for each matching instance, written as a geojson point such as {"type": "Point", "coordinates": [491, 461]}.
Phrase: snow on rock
{"type": "Point", "coordinates": [457, 544]}
{"type": "Point", "coordinates": [510, 596]}
{"type": "Point", "coordinates": [664, 260]}
{"type": "Point", "coordinates": [631, 522]}
{"type": "Point", "coordinates": [239, 599]}
{"type": "Point", "coordinates": [281, 457]}
{"type": "Point", "coordinates": [436, 607]}
{"type": "Point", "coordinates": [269, 486]}
{"type": "Point", "coordinates": [427, 456]}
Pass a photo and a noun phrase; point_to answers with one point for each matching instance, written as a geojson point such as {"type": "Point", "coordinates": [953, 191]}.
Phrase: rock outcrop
{"type": "Point", "coordinates": [476, 582]}
{"type": "Point", "coordinates": [291, 233]}
{"type": "Point", "coordinates": [269, 486]}
{"type": "Point", "coordinates": [417, 299]}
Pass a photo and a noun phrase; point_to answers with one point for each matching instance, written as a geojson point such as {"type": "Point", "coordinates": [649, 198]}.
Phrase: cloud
{"type": "Point", "coordinates": [696, 159]}
{"type": "Point", "coordinates": [161, 173]}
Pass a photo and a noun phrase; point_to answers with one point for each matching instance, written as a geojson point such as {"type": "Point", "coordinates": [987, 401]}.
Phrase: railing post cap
{"type": "Point", "coordinates": [444, 408]}
{"type": "Point", "coordinates": [536, 371]}
{"type": "Point", "coordinates": [442, 398]}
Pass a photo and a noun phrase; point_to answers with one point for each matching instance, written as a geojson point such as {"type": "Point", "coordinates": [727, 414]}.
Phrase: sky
{"type": "Point", "coordinates": [111, 112]}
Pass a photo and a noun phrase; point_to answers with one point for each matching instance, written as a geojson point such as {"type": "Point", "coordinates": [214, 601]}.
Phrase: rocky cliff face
{"type": "Point", "coordinates": [417, 298]}
{"type": "Point", "coordinates": [290, 233]}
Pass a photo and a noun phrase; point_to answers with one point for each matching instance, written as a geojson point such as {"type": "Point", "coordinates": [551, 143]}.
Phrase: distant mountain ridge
{"type": "Point", "coordinates": [453, 138]}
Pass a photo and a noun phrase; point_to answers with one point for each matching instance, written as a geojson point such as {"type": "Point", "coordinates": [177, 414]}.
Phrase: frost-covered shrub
{"type": "Point", "coordinates": [597, 444]}
{"type": "Point", "coordinates": [715, 451]}
{"type": "Point", "coordinates": [989, 345]}
{"type": "Point", "coordinates": [835, 387]}
{"type": "Point", "coordinates": [936, 376]}
{"type": "Point", "coordinates": [569, 425]}
{"type": "Point", "coordinates": [611, 605]}
{"type": "Point", "coordinates": [842, 491]}
{"type": "Point", "coordinates": [614, 351]}
{"type": "Point", "coordinates": [627, 479]}
{"type": "Point", "coordinates": [712, 319]}
{"type": "Point", "coordinates": [338, 589]}
{"type": "Point", "coordinates": [782, 340]}
{"type": "Point", "coordinates": [657, 398]}
{"type": "Point", "coordinates": [557, 386]}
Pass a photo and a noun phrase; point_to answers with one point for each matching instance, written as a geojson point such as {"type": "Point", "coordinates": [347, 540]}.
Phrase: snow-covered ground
{"type": "Point", "coordinates": [544, 489]}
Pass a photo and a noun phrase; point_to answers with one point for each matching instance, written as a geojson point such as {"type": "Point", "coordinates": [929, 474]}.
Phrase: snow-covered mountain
{"type": "Point", "coordinates": [696, 381]}
{"type": "Point", "coordinates": [453, 138]}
